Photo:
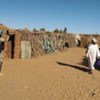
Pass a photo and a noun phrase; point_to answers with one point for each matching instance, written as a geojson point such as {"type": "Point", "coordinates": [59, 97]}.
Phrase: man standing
{"type": "Point", "coordinates": [92, 54]}
{"type": "Point", "coordinates": [1, 50]}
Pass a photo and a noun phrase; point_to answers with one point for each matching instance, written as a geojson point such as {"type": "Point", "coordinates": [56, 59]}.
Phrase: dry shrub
{"type": "Point", "coordinates": [70, 39]}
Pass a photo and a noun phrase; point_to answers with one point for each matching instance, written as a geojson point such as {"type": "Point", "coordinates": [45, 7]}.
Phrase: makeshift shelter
{"type": "Point", "coordinates": [26, 44]}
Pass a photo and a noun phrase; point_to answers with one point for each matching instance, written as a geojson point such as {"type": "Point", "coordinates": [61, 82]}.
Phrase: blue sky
{"type": "Point", "coordinates": [79, 16]}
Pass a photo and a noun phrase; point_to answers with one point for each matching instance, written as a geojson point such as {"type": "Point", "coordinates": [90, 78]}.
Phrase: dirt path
{"type": "Point", "coordinates": [59, 76]}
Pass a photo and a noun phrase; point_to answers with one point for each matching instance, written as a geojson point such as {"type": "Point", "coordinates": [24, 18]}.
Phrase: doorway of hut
{"type": "Point", "coordinates": [11, 46]}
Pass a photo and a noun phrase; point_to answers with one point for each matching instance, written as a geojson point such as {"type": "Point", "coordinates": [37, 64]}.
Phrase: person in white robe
{"type": "Point", "coordinates": [92, 53]}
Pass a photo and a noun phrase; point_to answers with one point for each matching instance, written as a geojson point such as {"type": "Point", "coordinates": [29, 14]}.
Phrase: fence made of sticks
{"type": "Point", "coordinates": [27, 44]}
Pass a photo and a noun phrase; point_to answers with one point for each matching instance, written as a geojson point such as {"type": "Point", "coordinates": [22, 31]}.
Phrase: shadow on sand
{"type": "Point", "coordinates": [74, 66]}
{"type": "Point", "coordinates": [84, 62]}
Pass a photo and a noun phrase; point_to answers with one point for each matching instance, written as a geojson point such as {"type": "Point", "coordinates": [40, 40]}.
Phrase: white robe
{"type": "Point", "coordinates": [92, 53]}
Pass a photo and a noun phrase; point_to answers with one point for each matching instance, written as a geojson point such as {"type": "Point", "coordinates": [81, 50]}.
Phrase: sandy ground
{"type": "Point", "coordinates": [59, 76]}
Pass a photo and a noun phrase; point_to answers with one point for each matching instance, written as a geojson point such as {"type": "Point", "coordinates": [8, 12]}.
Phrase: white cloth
{"type": "Point", "coordinates": [1, 56]}
{"type": "Point", "coordinates": [1, 39]}
{"type": "Point", "coordinates": [94, 40]}
{"type": "Point", "coordinates": [92, 53]}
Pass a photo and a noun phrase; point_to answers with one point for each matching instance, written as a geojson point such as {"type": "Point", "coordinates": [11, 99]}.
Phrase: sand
{"type": "Point", "coordinates": [59, 76]}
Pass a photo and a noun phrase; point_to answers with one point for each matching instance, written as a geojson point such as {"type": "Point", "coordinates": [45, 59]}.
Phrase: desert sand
{"type": "Point", "coordinates": [59, 76]}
